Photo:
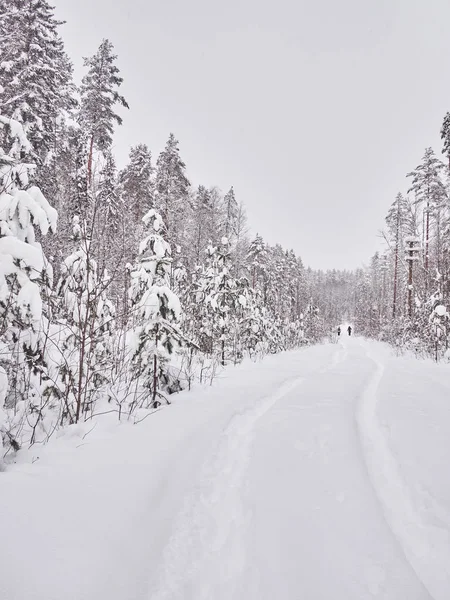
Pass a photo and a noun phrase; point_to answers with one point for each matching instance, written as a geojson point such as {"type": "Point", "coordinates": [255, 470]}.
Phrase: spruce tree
{"type": "Point", "coordinates": [109, 197]}
{"type": "Point", "coordinates": [224, 298]}
{"type": "Point", "coordinates": [25, 279]}
{"type": "Point", "coordinates": [35, 72]}
{"type": "Point", "coordinates": [155, 310]}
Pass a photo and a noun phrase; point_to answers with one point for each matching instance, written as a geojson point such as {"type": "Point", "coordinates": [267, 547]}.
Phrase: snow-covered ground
{"type": "Point", "coordinates": [320, 474]}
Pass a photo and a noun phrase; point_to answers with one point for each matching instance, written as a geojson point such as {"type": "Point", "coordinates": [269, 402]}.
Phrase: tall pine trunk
{"type": "Point", "coordinates": [89, 165]}
{"type": "Point", "coordinates": [427, 246]}
{"type": "Point", "coordinates": [410, 278]}
{"type": "Point", "coordinates": [397, 241]}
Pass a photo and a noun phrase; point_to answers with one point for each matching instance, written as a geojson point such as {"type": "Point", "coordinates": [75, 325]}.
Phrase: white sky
{"type": "Point", "coordinates": [313, 109]}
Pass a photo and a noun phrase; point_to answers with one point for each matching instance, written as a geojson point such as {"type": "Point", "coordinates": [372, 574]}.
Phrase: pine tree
{"type": "Point", "coordinates": [313, 325]}
{"type": "Point", "coordinates": [445, 136]}
{"type": "Point", "coordinates": [200, 321]}
{"type": "Point", "coordinates": [257, 260]}
{"type": "Point", "coordinates": [113, 232]}
{"type": "Point", "coordinates": [253, 322]}
{"type": "Point", "coordinates": [172, 191]}
{"type": "Point", "coordinates": [68, 187]}
{"type": "Point", "coordinates": [137, 182]}
{"type": "Point", "coordinates": [202, 223]}
{"type": "Point", "coordinates": [99, 97]}
{"type": "Point", "coordinates": [241, 241]}
{"type": "Point", "coordinates": [231, 210]}
{"type": "Point", "coordinates": [365, 315]}
{"type": "Point", "coordinates": [155, 310]}
{"type": "Point", "coordinates": [397, 224]}
{"type": "Point", "coordinates": [429, 191]}
{"type": "Point", "coordinates": [109, 197]}
{"type": "Point", "coordinates": [225, 299]}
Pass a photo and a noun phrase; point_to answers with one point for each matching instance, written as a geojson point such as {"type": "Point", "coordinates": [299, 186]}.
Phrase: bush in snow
{"type": "Point", "coordinates": [82, 335]}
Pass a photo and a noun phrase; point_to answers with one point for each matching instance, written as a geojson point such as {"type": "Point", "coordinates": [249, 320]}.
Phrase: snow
{"type": "Point", "coordinates": [153, 217]}
{"type": "Point", "coordinates": [440, 310]}
{"type": "Point", "coordinates": [421, 532]}
{"type": "Point", "coordinates": [51, 215]}
{"type": "Point", "coordinates": [16, 128]}
{"type": "Point", "coordinates": [15, 249]}
{"type": "Point", "coordinates": [316, 474]}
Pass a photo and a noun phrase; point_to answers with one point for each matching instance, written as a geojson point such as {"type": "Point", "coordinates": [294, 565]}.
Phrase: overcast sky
{"type": "Point", "coordinates": [313, 110]}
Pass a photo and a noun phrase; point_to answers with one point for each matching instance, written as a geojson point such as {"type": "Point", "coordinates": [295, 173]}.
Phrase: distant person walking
{"type": "Point", "coordinates": [349, 330]}
{"type": "Point", "coordinates": [339, 331]}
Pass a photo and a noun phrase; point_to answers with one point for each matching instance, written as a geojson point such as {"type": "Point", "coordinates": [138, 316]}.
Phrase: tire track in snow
{"type": "Point", "coordinates": [426, 546]}
{"type": "Point", "coordinates": [205, 555]}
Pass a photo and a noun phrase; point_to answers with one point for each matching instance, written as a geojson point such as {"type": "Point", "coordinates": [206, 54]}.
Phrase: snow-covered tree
{"type": "Point", "coordinates": [439, 325]}
{"type": "Point", "coordinates": [429, 192]}
{"type": "Point", "coordinates": [254, 326]}
{"type": "Point", "coordinates": [445, 136]}
{"type": "Point", "coordinates": [223, 298]}
{"type": "Point", "coordinates": [202, 223]}
{"type": "Point", "coordinates": [25, 275]}
{"type": "Point", "coordinates": [84, 330]}
{"type": "Point", "coordinates": [99, 97]}
{"type": "Point", "coordinates": [241, 241]}
{"type": "Point", "coordinates": [257, 258]}
{"type": "Point", "coordinates": [155, 310]}
{"type": "Point", "coordinates": [35, 72]}
{"type": "Point", "coordinates": [172, 190]}
{"type": "Point", "coordinates": [111, 205]}
{"type": "Point", "coordinates": [137, 182]}
{"type": "Point", "coordinates": [231, 210]}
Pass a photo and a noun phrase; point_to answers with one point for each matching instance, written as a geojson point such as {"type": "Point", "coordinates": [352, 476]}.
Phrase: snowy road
{"type": "Point", "coordinates": [317, 474]}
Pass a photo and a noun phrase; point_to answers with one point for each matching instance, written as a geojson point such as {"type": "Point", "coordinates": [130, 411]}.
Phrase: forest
{"type": "Point", "coordinates": [121, 287]}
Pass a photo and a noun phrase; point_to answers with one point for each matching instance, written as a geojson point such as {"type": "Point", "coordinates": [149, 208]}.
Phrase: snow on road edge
{"type": "Point", "coordinates": [425, 546]}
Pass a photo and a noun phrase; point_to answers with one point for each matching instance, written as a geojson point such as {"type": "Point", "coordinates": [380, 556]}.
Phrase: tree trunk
{"type": "Point", "coordinates": [89, 165]}
{"type": "Point", "coordinates": [155, 379]}
{"type": "Point", "coordinates": [394, 304]}
{"type": "Point", "coordinates": [427, 244]}
{"type": "Point", "coordinates": [223, 346]}
{"type": "Point", "coordinates": [410, 278]}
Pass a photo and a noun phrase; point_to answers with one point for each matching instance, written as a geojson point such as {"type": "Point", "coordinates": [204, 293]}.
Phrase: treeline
{"type": "Point", "coordinates": [117, 288]}
{"type": "Point", "coordinates": [403, 295]}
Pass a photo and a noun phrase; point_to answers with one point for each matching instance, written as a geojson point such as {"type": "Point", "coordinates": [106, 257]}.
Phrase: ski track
{"type": "Point", "coordinates": [425, 545]}
{"type": "Point", "coordinates": [195, 565]}
{"type": "Point", "coordinates": [213, 517]}
{"type": "Point", "coordinates": [435, 508]}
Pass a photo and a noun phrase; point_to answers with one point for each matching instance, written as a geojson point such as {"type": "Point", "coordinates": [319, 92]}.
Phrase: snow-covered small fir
{"type": "Point", "coordinates": [155, 311]}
